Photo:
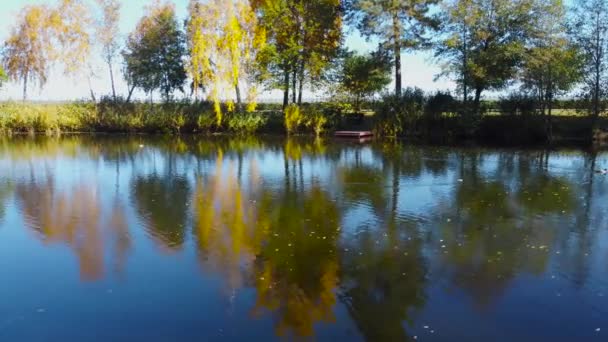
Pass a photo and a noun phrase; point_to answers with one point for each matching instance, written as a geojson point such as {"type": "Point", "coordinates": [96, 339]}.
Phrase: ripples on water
{"type": "Point", "coordinates": [233, 239]}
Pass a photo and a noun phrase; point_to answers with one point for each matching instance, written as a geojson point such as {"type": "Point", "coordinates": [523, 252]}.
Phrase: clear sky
{"type": "Point", "coordinates": [418, 68]}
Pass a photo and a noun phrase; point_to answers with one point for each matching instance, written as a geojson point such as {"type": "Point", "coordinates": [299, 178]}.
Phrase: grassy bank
{"type": "Point", "coordinates": [133, 117]}
{"type": "Point", "coordinates": [169, 118]}
{"type": "Point", "coordinates": [405, 119]}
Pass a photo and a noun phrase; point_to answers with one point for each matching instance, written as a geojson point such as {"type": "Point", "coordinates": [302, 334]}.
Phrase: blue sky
{"type": "Point", "coordinates": [418, 68]}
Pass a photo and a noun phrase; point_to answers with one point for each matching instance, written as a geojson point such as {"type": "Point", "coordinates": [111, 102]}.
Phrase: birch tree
{"type": "Point", "coordinates": [223, 38]}
{"type": "Point", "coordinates": [27, 51]}
{"type": "Point", "coordinates": [107, 34]}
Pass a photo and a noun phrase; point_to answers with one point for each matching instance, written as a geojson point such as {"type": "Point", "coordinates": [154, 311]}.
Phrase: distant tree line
{"type": "Point", "coordinates": [240, 47]}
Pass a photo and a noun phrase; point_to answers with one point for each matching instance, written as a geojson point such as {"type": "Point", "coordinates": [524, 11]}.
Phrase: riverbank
{"type": "Point", "coordinates": [311, 119]}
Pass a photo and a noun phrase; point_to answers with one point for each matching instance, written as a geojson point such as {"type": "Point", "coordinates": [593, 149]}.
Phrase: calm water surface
{"type": "Point", "coordinates": [140, 239]}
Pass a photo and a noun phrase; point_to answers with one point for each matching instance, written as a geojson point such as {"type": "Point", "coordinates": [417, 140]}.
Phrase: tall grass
{"type": "Point", "coordinates": [46, 118]}
{"type": "Point", "coordinates": [122, 117]}
{"type": "Point", "coordinates": [413, 114]}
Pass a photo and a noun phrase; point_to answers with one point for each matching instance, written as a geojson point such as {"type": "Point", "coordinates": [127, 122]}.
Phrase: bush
{"type": "Point", "coordinates": [245, 123]}
{"type": "Point", "coordinates": [517, 103]}
{"type": "Point", "coordinates": [440, 103]}
{"type": "Point", "coordinates": [205, 121]}
{"type": "Point", "coordinates": [316, 121]}
{"type": "Point", "coordinates": [396, 113]}
{"type": "Point", "coordinates": [293, 118]}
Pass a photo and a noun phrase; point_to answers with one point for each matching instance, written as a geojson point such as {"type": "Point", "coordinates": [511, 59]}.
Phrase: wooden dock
{"type": "Point", "coordinates": [353, 134]}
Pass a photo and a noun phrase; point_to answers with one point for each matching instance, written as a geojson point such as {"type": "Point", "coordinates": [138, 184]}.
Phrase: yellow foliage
{"type": "Point", "coordinates": [222, 37]}
{"type": "Point", "coordinates": [293, 118]}
{"type": "Point", "coordinates": [230, 106]}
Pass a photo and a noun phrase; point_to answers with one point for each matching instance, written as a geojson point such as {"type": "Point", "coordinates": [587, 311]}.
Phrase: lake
{"type": "Point", "coordinates": [219, 238]}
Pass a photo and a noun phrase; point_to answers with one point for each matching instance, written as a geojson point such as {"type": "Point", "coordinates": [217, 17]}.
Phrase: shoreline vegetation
{"type": "Point", "coordinates": [430, 121]}
{"type": "Point", "coordinates": [222, 54]}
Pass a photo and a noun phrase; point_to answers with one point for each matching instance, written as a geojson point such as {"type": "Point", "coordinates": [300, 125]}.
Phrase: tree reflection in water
{"type": "Point", "coordinates": [316, 230]}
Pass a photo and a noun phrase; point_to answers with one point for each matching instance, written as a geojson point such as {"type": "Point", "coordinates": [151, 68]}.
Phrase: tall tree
{"type": "Point", "coordinates": [44, 35]}
{"type": "Point", "coordinates": [552, 64]}
{"type": "Point", "coordinates": [320, 36]}
{"type": "Point", "coordinates": [486, 41]}
{"type": "Point", "coordinates": [590, 30]}
{"type": "Point", "coordinates": [364, 75]}
{"type": "Point", "coordinates": [70, 23]}
{"type": "Point", "coordinates": [107, 34]}
{"type": "Point", "coordinates": [223, 39]}
{"type": "Point", "coordinates": [27, 51]}
{"type": "Point", "coordinates": [398, 24]}
{"type": "Point", "coordinates": [457, 21]}
{"type": "Point", "coordinates": [276, 60]}
{"type": "Point", "coordinates": [155, 50]}
{"type": "Point", "coordinates": [301, 44]}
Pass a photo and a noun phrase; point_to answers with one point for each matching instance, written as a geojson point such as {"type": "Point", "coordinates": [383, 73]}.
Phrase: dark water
{"type": "Point", "coordinates": [136, 239]}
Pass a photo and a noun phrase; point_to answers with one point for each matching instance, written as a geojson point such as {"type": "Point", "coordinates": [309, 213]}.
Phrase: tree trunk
{"type": "Point", "coordinates": [598, 70]}
{"type": "Point", "coordinates": [25, 87]}
{"type": "Point", "coordinates": [596, 95]}
{"type": "Point", "coordinates": [238, 96]}
{"type": "Point", "coordinates": [397, 51]}
{"type": "Point", "coordinates": [130, 93]}
{"type": "Point", "coordinates": [112, 80]}
{"type": "Point", "coordinates": [541, 100]}
{"type": "Point", "coordinates": [301, 81]}
{"type": "Point", "coordinates": [286, 88]}
{"type": "Point", "coordinates": [549, 128]}
{"type": "Point", "coordinates": [465, 87]}
{"type": "Point", "coordinates": [91, 90]}
{"type": "Point", "coordinates": [476, 109]}
{"type": "Point", "coordinates": [294, 82]}
{"type": "Point", "coordinates": [397, 71]}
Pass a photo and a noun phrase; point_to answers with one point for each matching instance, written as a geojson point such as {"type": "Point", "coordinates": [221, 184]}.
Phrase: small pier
{"type": "Point", "coordinates": [353, 134]}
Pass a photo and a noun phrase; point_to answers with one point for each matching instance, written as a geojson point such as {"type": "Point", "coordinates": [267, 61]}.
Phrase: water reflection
{"type": "Point", "coordinates": [74, 216]}
{"type": "Point", "coordinates": [162, 203]}
{"type": "Point", "coordinates": [323, 235]}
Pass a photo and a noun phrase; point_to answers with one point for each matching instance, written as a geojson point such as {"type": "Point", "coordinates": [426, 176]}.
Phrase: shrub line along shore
{"type": "Point", "coordinates": [414, 122]}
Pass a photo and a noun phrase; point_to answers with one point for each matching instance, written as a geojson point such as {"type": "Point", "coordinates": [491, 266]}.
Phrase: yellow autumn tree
{"type": "Point", "coordinates": [27, 51]}
{"type": "Point", "coordinates": [43, 35]}
{"type": "Point", "coordinates": [70, 23]}
{"type": "Point", "coordinates": [108, 35]}
{"type": "Point", "coordinates": [223, 38]}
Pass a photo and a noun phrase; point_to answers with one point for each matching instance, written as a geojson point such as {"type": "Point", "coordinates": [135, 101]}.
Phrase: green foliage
{"type": "Point", "coordinates": [397, 113]}
{"type": "Point", "coordinates": [245, 123]}
{"type": "Point", "coordinates": [335, 112]}
{"type": "Point", "coordinates": [155, 51]}
{"type": "Point", "coordinates": [293, 118]}
{"type": "Point", "coordinates": [316, 121]}
{"type": "Point", "coordinates": [553, 65]}
{"type": "Point", "coordinates": [439, 104]}
{"type": "Point", "coordinates": [398, 24]}
{"type": "Point", "coordinates": [206, 121]}
{"type": "Point", "coordinates": [303, 37]}
{"type": "Point", "coordinates": [364, 76]}
{"type": "Point", "coordinates": [485, 42]}
{"type": "Point", "coordinates": [22, 118]}
{"type": "Point", "coordinates": [590, 32]}
{"type": "Point", "coordinates": [517, 103]}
